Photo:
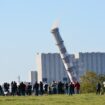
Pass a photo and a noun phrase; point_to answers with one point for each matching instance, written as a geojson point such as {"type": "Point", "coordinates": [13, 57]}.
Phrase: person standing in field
{"type": "Point", "coordinates": [36, 88]}
{"type": "Point", "coordinates": [77, 87]}
{"type": "Point", "coordinates": [98, 88]}
{"type": "Point", "coordinates": [71, 88]}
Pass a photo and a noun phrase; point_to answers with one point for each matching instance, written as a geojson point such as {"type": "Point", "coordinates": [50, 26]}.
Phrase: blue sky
{"type": "Point", "coordinates": [25, 30]}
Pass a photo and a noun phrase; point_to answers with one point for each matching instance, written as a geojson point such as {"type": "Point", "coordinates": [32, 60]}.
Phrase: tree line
{"type": "Point", "coordinates": [89, 82]}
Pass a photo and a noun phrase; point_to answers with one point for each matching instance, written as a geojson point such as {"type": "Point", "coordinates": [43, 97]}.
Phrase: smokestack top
{"type": "Point", "coordinates": [55, 25]}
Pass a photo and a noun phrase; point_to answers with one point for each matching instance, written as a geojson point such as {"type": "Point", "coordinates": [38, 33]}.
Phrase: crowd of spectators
{"type": "Point", "coordinates": [39, 88]}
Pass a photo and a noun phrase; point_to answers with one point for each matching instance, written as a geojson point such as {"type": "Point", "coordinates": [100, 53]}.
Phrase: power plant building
{"type": "Point", "coordinates": [33, 77]}
{"type": "Point", "coordinates": [94, 61]}
{"type": "Point", "coordinates": [51, 68]}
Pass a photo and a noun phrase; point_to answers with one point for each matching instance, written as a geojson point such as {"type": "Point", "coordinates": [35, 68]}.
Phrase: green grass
{"type": "Point", "coordinates": [81, 99]}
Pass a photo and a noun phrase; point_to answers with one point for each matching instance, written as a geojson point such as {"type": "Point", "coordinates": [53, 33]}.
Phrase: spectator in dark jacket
{"type": "Point", "coordinates": [36, 88]}
{"type": "Point", "coordinates": [98, 88]}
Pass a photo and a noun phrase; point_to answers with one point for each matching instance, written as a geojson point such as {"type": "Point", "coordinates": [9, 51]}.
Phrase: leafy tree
{"type": "Point", "coordinates": [88, 82]}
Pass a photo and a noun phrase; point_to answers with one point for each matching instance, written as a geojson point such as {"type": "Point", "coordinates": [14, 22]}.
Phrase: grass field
{"type": "Point", "coordinates": [81, 99]}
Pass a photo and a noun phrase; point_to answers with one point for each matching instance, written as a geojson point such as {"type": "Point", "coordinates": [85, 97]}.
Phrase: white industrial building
{"type": "Point", "coordinates": [92, 62]}
{"type": "Point", "coordinates": [51, 68]}
{"type": "Point", "coordinates": [32, 77]}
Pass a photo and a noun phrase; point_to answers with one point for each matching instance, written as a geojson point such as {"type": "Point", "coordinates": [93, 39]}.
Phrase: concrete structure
{"type": "Point", "coordinates": [32, 76]}
{"type": "Point", "coordinates": [64, 54]}
{"type": "Point", "coordinates": [92, 62]}
{"type": "Point", "coordinates": [51, 68]}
